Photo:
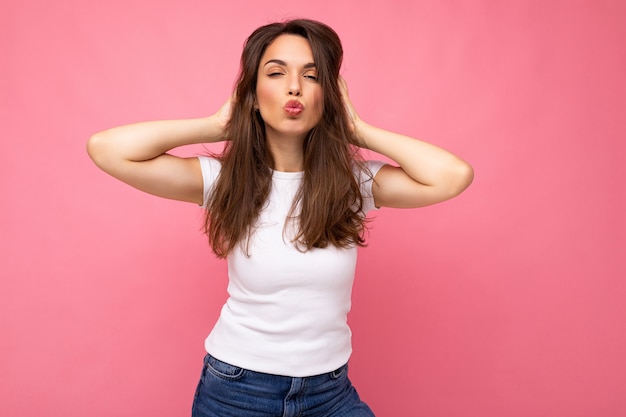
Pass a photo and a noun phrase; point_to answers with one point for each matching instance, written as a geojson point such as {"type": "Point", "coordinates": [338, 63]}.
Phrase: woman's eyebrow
{"type": "Point", "coordinates": [284, 64]}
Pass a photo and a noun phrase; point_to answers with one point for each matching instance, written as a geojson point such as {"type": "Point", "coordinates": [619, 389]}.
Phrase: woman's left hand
{"type": "Point", "coordinates": [353, 116]}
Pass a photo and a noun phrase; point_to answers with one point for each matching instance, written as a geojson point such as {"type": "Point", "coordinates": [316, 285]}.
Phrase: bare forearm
{"type": "Point", "coordinates": [423, 162]}
{"type": "Point", "coordinates": [137, 154]}
{"type": "Point", "coordinates": [147, 140]}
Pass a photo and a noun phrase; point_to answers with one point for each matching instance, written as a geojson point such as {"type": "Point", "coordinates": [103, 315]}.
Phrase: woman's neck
{"type": "Point", "coordinates": [287, 153]}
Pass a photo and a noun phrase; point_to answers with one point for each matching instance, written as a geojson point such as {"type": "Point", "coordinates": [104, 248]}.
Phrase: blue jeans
{"type": "Point", "coordinates": [228, 391]}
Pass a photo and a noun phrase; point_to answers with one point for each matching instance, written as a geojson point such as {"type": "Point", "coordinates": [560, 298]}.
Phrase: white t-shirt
{"type": "Point", "coordinates": [287, 310]}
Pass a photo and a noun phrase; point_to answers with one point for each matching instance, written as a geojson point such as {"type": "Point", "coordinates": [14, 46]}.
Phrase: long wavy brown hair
{"type": "Point", "coordinates": [328, 206]}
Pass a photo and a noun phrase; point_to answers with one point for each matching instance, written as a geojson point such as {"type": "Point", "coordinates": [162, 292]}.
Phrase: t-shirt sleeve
{"type": "Point", "coordinates": [366, 178]}
{"type": "Point", "coordinates": [210, 170]}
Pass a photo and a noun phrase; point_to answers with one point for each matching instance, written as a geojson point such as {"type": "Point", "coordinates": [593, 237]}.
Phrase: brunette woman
{"type": "Point", "coordinates": [285, 205]}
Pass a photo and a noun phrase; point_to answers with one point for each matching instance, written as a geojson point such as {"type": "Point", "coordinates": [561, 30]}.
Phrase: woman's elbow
{"type": "Point", "coordinates": [97, 149]}
{"type": "Point", "coordinates": [463, 177]}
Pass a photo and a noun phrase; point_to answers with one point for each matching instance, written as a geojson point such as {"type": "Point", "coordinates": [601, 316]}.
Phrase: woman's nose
{"type": "Point", "coordinates": [294, 87]}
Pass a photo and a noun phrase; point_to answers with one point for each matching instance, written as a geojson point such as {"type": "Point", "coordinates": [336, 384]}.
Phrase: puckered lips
{"type": "Point", "coordinates": [293, 108]}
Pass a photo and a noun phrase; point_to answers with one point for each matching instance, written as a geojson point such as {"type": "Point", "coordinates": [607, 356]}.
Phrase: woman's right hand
{"type": "Point", "coordinates": [223, 114]}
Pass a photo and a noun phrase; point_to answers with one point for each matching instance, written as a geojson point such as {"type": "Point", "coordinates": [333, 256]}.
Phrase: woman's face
{"type": "Point", "coordinates": [288, 96]}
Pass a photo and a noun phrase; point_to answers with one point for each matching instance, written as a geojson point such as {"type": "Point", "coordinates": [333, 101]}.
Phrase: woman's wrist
{"type": "Point", "coordinates": [214, 129]}
{"type": "Point", "coordinates": [361, 132]}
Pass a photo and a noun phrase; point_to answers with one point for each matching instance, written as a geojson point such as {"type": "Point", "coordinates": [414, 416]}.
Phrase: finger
{"type": "Point", "coordinates": [343, 85]}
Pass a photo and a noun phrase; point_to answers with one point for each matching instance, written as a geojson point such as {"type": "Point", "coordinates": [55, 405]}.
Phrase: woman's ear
{"type": "Point", "coordinates": [255, 103]}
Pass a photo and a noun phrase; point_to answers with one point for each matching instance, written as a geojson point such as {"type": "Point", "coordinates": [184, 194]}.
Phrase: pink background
{"type": "Point", "coordinates": [508, 301]}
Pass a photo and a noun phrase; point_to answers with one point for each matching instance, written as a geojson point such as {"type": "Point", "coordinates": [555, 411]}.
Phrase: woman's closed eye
{"type": "Point", "coordinates": [311, 77]}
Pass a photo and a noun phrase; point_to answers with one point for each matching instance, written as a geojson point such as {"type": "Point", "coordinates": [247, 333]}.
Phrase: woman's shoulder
{"type": "Point", "coordinates": [210, 168]}
{"type": "Point", "coordinates": [367, 170]}
{"type": "Point", "coordinates": [209, 164]}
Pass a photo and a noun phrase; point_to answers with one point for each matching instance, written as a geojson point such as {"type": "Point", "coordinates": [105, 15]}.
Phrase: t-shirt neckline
{"type": "Point", "coordinates": [282, 175]}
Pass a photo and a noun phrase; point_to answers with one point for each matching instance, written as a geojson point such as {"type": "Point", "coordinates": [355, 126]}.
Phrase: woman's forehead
{"type": "Point", "coordinates": [288, 50]}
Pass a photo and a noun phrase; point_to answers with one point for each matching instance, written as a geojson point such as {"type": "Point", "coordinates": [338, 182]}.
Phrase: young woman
{"type": "Point", "coordinates": [286, 203]}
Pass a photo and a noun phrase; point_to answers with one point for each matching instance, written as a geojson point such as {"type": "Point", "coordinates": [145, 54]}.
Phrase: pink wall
{"type": "Point", "coordinates": [508, 301]}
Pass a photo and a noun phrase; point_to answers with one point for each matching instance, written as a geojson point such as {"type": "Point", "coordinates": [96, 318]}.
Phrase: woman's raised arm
{"type": "Point", "coordinates": [137, 154]}
{"type": "Point", "coordinates": [426, 174]}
